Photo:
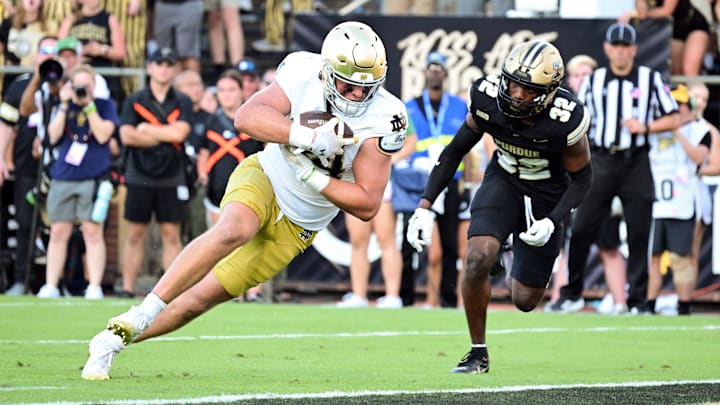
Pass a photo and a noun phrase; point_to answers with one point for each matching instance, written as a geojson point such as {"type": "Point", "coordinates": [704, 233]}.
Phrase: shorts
{"type": "Point", "coordinates": [609, 236]}
{"type": "Point", "coordinates": [178, 26]}
{"type": "Point", "coordinates": [211, 5]}
{"type": "Point", "coordinates": [70, 200]}
{"type": "Point", "coordinates": [674, 235]}
{"type": "Point", "coordinates": [498, 210]}
{"type": "Point", "coordinates": [142, 201]}
{"type": "Point", "coordinates": [277, 242]}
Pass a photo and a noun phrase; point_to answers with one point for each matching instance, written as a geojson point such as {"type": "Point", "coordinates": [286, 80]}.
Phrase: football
{"type": "Point", "coordinates": [314, 119]}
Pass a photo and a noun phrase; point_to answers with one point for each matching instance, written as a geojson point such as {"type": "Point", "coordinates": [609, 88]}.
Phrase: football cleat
{"type": "Point", "coordinates": [129, 325]}
{"type": "Point", "coordinates": [103, 349]}
{"type": "Point", "coordinates": [473, 363]}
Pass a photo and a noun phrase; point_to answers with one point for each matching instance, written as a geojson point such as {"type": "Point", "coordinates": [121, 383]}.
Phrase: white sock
{"type": "Point", "coordinates": [152, 305]}
{"type": "Point", "coordinates": [479, 345]}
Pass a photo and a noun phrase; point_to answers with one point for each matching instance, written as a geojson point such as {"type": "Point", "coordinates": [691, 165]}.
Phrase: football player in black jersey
{"type": "Point", "coordinates": [540, 171]}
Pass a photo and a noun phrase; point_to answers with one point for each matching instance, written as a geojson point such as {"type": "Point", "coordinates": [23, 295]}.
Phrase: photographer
{"type": "Point", "coordinates": [18, 132]}
{"type": "Point", "coordinates": [80, 128]}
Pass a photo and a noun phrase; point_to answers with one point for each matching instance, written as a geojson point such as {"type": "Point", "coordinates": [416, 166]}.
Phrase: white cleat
{"type": "Point", "coordinates": [129, 325]}
{"type": "Point", "coordinates": [351, 300]}
{"type": "Point", "coordinates": [103, 349]}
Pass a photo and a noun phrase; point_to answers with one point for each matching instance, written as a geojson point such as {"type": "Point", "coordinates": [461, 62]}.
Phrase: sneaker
{"type": "Point", "coordinates": [567, 305]}
{"type": "Point", "coordinates": [129, 324]}
{"type": "Point", "coordinates": [351, 300]}
{"type": "Point", "coordinates": [16, 289]}
{"type": "Point", "coordinates": [103, 349]}
{"type": "Point", "coordinates": [473, 363]}
{"type": "Point", "coordinates": [619, 309]}
{"type": "Point", "coordinates": [48, 291]}
{"type": "Point", "coordinates": [94, 292]}
{"type": "Point", "coordinates": [263, 45]}
{"type": "Point", "coordinates": [389, 302]}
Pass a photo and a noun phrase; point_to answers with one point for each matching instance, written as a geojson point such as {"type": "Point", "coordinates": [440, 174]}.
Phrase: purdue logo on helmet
{"type": "Point", "coordinates": [537, 65]}
{"type": "Point", "coordinates": [353, 53]}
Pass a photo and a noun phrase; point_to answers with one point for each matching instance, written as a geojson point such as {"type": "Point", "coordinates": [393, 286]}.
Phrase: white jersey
{"type": "Point", "coordinates": [675, 174]}
{"type": "Point", "coordinates": [299, 76]}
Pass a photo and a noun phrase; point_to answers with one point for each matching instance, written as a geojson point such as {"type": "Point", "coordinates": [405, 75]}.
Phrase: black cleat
{"type": "Point", "coordinates": [473, 363]}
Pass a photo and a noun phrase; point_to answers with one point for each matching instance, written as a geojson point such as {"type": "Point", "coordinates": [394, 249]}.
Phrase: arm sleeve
{"type": "Point", "coordinates": [449, 160]}
{"type": "Point", "coordinates": [580, 182]}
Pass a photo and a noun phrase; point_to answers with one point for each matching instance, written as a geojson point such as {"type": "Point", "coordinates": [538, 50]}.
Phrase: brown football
{"type": "Point", "coordinates": [314, 119]}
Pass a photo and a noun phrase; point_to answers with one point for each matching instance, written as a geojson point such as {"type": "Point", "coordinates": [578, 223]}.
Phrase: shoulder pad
{"type": "Point", "coordinates": [392, 143]}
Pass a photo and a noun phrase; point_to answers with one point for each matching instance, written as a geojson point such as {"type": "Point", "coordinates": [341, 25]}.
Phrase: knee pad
{"type": "Point", "coordinates": [682, 268]}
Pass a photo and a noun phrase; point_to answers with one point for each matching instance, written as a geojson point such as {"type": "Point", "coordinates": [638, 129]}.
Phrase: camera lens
{"type": "Point", "coordinates": [80, 91]}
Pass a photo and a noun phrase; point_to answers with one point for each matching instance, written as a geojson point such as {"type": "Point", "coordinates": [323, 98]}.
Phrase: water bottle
{"type": "Point", "coordinates": [102, 201]}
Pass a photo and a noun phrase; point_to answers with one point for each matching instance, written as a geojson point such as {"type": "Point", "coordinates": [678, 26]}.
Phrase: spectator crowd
{"type": "Point", "coordinates": [168, 147]}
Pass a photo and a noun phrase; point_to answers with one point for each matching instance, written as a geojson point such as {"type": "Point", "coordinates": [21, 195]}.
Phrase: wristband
{"type": "Point", "coordinates": [90, 108]}
{"type": "Point", "coordinates": [316, 180]}
{"type": "Point", "coordinates": [300, 136]}
{"type": "Point", "coordinates": [63, 108]}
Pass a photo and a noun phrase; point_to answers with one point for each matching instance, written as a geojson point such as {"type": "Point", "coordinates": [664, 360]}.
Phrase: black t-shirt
{"type": "Point", "coordinates": [142, 106]}
{"type": "Point", "coordinates": [25, 164]}
{"type": "Point", "coordinates": [198, 125]}
{"type": "Point", "coordinates": [220, 132]}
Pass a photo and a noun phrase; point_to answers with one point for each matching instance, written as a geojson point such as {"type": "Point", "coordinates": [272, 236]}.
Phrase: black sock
{"type": "Point", "coordinates": [651, 306]}
{"type": "Point", "coordinates": [683, 307]}
{"type": "Point", "coordinates": [479, 351]}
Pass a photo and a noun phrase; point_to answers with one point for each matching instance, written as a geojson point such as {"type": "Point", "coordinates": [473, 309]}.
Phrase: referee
{"type": "Point", "coordinates": [627, 104]}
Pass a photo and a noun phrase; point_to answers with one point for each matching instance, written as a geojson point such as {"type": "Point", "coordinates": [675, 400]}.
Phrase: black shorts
{"type": "Point", "coordinates": [608, 238]}
{"type": "Point", "coordinates": [142, 201]}
{"type": "Point", "coordinates": [674, 235]}
{"type": "Point", "coordinates": [498, 210]}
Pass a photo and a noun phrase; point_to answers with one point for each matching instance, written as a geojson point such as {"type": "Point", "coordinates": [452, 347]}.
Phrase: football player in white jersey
{"type": "Point", "coordinates": [674, 158]}
{"type": "Point", "coordinates": [278, 199]}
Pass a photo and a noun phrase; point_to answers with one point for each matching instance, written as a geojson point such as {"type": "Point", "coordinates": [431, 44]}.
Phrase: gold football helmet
{"type": "Point", "coordinates": [537, 65]}
{"type": "Point", "coordinates": [353, 53]}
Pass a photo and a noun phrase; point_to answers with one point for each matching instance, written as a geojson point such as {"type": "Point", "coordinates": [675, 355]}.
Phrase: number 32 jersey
{"type": "Point", "coordinates": [529, 155]}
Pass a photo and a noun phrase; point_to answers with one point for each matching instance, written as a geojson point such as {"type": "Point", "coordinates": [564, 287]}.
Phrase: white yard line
{"type": "Point", "coordinates": [705, 328]}
{"type": "Point", "coordinates": [358, 394]}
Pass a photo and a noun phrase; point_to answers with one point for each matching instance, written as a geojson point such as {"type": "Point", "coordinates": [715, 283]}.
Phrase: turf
{"type": "Point", "coordinates": [319, 354]}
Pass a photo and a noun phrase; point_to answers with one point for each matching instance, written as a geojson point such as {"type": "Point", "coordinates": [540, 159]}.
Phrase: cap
{"type": "Point", "coordinates": [248, 66]}
{"type": "Point", "coordinates": [163, 55]}
{"type": "Point", "coordinates": [621, 33]}
{"type": "Point", "coordinates": [70, 43]}
{"type": "Point", "coordinates": [436, 58]}
{"type": "Point", "coordinates": [680, 93]}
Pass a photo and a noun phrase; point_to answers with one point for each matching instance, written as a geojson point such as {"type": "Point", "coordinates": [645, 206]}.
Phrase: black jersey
{"type": "Point", "coordinates": [530, 155]}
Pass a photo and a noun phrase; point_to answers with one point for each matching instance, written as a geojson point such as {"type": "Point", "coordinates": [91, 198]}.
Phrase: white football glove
{"type": "Point", "coordinates": [539, 232]}
{"type": "Point", "coordinates": [419, 233]}
{"type": "Point", "coordinates": [323, 141]}
{"type": "Point", "coordinates": [306, 172]}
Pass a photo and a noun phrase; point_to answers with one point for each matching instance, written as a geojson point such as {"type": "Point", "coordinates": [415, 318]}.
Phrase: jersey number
{"type": "Point", "coordinates": [526, 168]}
{"type": "Point", "coordinates": [562, 109]}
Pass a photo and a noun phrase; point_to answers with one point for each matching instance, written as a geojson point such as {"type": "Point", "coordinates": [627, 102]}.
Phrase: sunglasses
{"type": "Point", "coordinates": [48, 50]}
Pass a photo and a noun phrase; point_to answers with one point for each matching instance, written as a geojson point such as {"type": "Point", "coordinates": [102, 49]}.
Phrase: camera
{"type": "Point", "coordinates": [80, 91]}
{"type": "Point", "coordinates": [51, 71]}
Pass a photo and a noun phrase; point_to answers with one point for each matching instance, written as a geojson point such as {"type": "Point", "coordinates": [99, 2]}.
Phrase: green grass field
{"type": "Point", "coordinates": [319, 354]}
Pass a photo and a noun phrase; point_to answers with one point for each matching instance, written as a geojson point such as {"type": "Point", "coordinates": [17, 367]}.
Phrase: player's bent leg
{"type": "Point", "coordinates": [192, 303]}
{"type": "Point", "coordinates": [526, 298]}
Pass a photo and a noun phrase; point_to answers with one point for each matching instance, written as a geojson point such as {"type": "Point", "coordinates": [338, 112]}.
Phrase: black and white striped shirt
{"type": "Point", "coordinates": [610, 99]}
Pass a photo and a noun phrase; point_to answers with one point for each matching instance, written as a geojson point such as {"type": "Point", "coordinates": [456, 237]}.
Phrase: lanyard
{"type": "Point", "coordinates": [435, 126]}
